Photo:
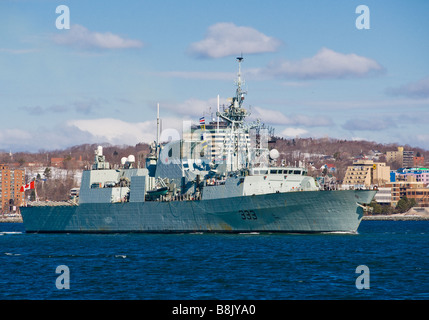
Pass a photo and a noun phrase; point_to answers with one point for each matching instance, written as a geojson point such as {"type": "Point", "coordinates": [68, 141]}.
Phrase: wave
{"type": "Point", "coordinates": [249, 233]}
{"type": "Point", "coordinates": [10, 232]}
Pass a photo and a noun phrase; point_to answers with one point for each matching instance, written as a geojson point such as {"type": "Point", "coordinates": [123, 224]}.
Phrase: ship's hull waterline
{"type": "Point", "coordinates": [291, 212]}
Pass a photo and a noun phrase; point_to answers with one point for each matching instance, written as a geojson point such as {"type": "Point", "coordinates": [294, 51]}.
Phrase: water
{"type": "Point", "coordinates": [218, 266]}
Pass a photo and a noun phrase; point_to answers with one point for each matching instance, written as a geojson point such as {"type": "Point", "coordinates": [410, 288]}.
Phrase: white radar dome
{"type": "Point", "coordinates": [274, 154]}
{"type": "Point", "coordinates": [131, 158]}
{"type": "Point", "coordinates": [123, 160]}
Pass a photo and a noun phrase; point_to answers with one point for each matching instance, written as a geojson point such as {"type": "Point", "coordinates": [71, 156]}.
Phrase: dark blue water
{"type": "Point", "coordinates": [218, 266]}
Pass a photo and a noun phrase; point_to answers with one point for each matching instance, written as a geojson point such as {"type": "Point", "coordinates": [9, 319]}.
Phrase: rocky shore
{"type": "Point", "coordinates": [417, 214]}
{"type": "Point", "coordinates": [16, 219]}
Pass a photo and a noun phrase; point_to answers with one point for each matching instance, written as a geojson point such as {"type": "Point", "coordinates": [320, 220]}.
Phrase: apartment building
{"type": "Point", "coordinates": [410, 189]}
{"type": "Point", "coordinates": [417, 174]}
{"type": "Point", "coordinates": [11, 181]}
{"type": "Point", "coordinates": [395, 156]}
{"type": "Point", "coordinates": [366, 173]}
{"type": "Point", "coordinates": [408, 159]}
{"type": "Point", "coordinates": [405, 159]}
{"type": "Point", "coordinates": [420, 195]}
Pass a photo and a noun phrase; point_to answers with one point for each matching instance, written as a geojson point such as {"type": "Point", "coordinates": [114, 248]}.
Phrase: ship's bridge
{"type": "Point", "coordinates": [277, 170]}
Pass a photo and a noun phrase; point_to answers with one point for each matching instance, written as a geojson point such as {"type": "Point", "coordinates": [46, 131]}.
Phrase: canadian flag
{"type": "Point", "coordinates": [28, 186]}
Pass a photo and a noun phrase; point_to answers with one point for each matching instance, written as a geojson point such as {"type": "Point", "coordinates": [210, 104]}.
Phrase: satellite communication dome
{"type": "Point", "coordinates": [274, 154]}
{"type": "Point", "coordinates": [131, 158]}
{"type": "Point", "coordinates": [123, 160]}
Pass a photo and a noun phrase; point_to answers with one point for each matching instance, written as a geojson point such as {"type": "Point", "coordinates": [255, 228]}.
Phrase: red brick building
{"type": "Point", "coordinates": [418, 161]}
{"type": "Point", "coordinates": [11, 181]}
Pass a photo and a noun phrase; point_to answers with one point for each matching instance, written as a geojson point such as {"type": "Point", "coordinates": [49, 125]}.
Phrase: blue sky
{"type": "Point", "coordinates": [309, 70]}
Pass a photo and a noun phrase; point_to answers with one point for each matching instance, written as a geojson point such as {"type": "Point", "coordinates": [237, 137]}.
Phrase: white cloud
{"type": "Point", "coordinates": [81, 37]}
{"type": "Point", "coordinates": [195, 108]}
{"type": "Point", "coordinates": [359, 139]}
{"type": "Point", "coordinates": [270, 116]}
{"type": "Point", "coordinates": [417, 89]}
{"type": "Point", "coordinates": [293, 132]}
{"type": "Point", "coordinates": [76, 132]}
{"type": "Point", "coordinates": [33, 139]}
{"type": "Point", "coordinates": [276, 117]}
{"type": "Point", "coordinates": [324, 64]}
{"type": "Point", "coordinates": [116, 131]}
{"type": "Point", "coordinates": [226, 39]}
{"type": "Point", "coordinates": [369, 124]}
{"type": "Point", "coordinates": [14, 134]}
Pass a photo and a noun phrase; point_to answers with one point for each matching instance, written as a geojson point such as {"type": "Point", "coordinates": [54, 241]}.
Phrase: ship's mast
{"type": "Point", "coordinates": [157, 131]}
{"type": "Point", "coordinates": [239, 93]}
{"type": "Point", "coordinates": [235, 115]}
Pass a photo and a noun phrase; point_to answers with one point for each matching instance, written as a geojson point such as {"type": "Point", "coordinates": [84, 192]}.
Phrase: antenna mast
{"type": "Point", "coordinates": [239, 94]}
{"type": "Point", "coordinates": [157, 131]}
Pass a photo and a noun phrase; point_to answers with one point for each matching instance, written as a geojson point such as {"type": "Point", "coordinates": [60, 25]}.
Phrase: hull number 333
{"type": "Point", "coordinates": [247, 214]}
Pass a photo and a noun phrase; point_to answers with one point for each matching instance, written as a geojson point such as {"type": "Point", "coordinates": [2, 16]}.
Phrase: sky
{"type": "Point", "coordinates": [94, 71]}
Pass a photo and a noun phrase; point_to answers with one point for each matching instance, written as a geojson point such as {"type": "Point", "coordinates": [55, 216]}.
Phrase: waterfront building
{"type": "Point", "coordinates": [415, 174]}
{"type": "Point", "coordinates": [11, 181]}
{"type": "Point", "coordinates": [384, 196]}
{"type": "Point", "coordinates": [401, 189]}
{"type": "Point", "coordinates": [420, 195]}
{"type": "Point", "coordinates": [366, 173]}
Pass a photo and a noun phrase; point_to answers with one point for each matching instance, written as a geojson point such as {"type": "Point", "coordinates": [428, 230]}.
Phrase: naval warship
{"type": "Point", "coordinates": [223, 179]}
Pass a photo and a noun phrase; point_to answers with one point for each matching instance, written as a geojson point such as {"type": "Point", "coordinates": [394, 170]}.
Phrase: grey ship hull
{"type": "Point", "coordinates": [300, 212]}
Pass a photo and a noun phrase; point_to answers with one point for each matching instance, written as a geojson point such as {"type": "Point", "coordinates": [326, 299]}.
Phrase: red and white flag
{"type": "Point", "coordinates": [28, 186]}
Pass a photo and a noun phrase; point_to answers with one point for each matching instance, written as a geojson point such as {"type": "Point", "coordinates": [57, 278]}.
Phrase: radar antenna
{"type": "Point", "coordinates": [239, 93]}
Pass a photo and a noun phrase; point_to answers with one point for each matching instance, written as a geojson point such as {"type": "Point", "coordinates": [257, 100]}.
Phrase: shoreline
{"type": "Point", "coordinates": [396, 217]}
{"type": "Point", "coordinates": [10, 219]}
{"type": "Point", "coordinates": [414, 214]}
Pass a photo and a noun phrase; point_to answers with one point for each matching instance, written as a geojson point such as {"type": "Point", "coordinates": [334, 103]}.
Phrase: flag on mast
{"type": "Point", "coordinates": [203, 123]}
{"type": "Point", "coordinates": [28, 186]}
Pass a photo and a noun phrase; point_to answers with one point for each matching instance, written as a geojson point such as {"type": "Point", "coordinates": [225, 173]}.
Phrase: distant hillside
{"type": "Point", "coordinates": [309, 150]}
{"type": "Point", "coordinates": [314, 153]}
{"type": "Point", "coordinates": [340, 153]}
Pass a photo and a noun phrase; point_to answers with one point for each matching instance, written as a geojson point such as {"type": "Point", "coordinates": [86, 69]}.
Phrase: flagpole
{"type": "Point", "coordinates": [35, 191]}
{"type": "Point", "coordinates": [217, 114]}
